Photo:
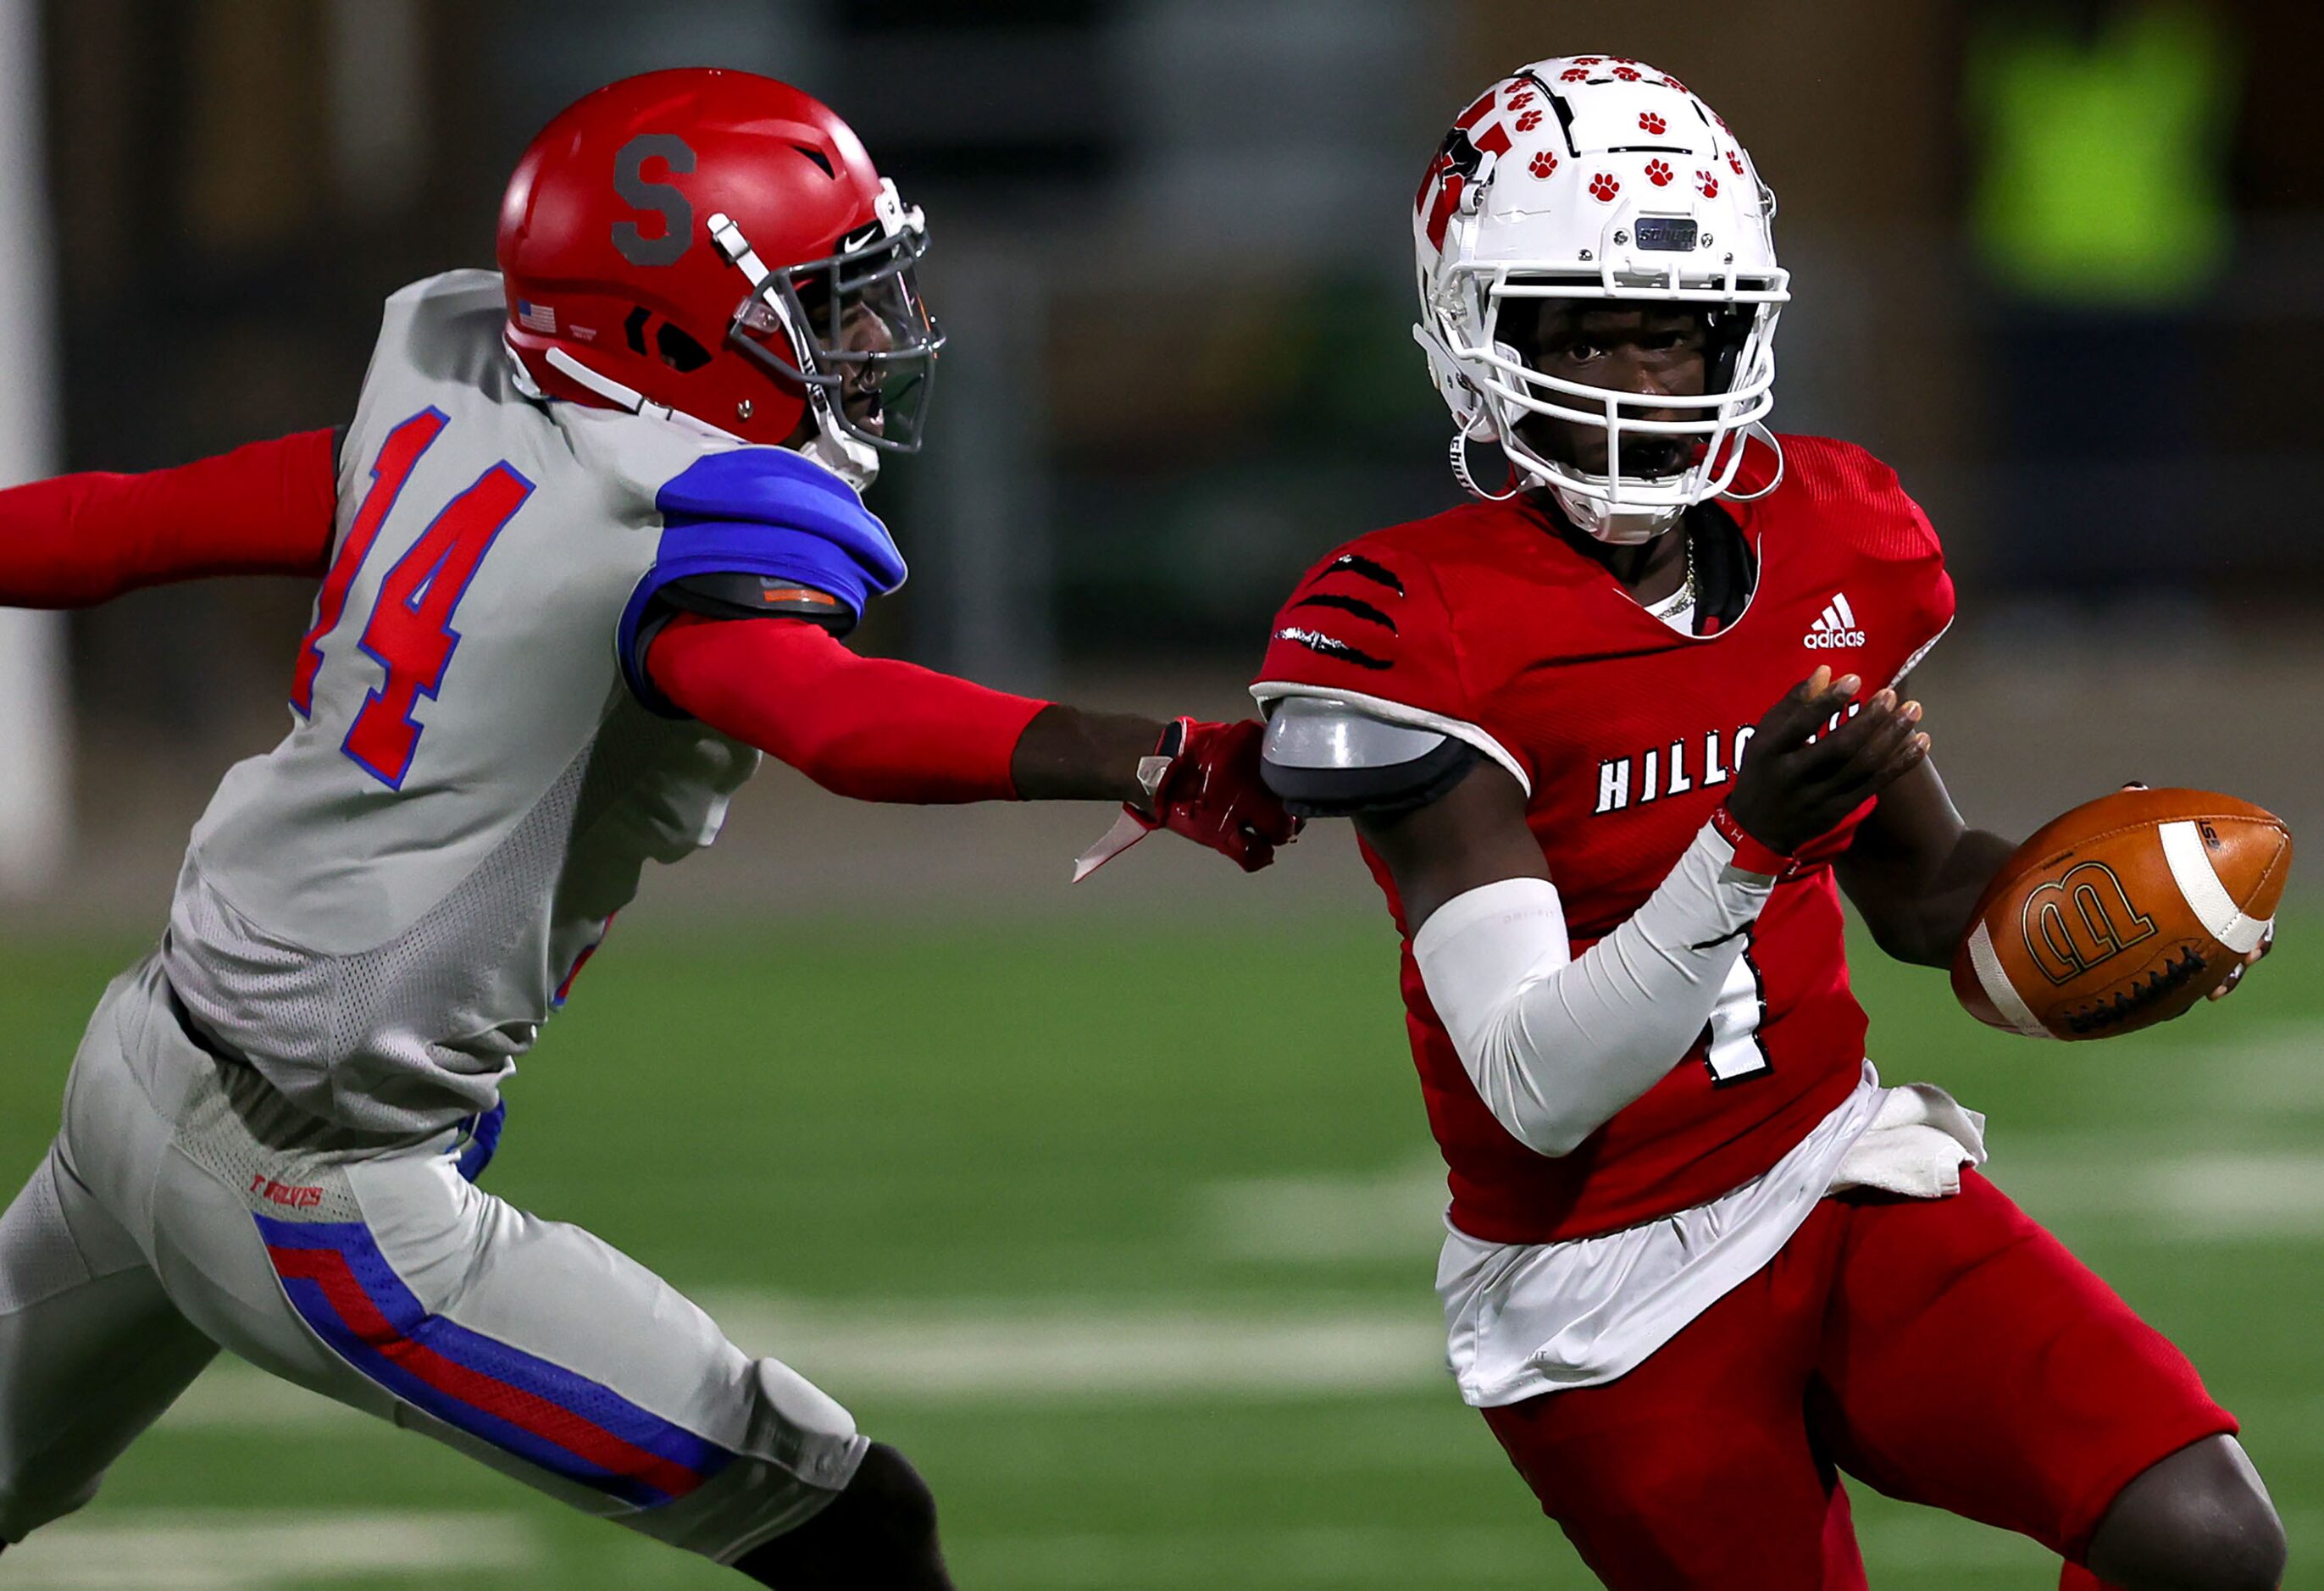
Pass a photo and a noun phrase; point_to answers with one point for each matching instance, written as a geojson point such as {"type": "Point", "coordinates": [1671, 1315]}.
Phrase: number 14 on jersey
{"type": "Point", "coordinates": [409, 634]}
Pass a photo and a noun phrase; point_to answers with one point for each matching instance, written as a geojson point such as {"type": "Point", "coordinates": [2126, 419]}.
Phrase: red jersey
{"type": "Point", "coordinates": [1484, 622]}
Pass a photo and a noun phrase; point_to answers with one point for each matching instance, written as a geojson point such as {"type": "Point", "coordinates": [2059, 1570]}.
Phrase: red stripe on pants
{"type": "Point", "coordinates": [581, 1437]}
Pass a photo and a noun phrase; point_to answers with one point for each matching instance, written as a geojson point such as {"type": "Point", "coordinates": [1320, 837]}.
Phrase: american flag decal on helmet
{"type": "Point", "coordinates": [532, 317]}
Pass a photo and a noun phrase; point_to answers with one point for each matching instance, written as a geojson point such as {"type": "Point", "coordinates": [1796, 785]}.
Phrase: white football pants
{"type": "Point", "coordinates": [184, 1208]}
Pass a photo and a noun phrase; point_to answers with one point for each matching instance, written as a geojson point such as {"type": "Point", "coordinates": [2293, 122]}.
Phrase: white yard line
{"type": "Point", "coordinates": [229, 1550]}
{"type": "Point", "coordinates": [2201, 1197]}
{"type": "Point", "coordinates": [1398, 1213]}
{"type": "Point", "coordinates": [937, 1353]}
{"type": "Point", "coordinates": [2130, 1184]}
{"type": "Point", "coordinates": [2271, 1071]}
{"type": "Point", "coordinates": [2233, 1162]}
{"type": "Point", "coordinates": [2263, 1089]}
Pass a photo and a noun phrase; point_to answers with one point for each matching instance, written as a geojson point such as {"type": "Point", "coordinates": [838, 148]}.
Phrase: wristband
{"type": "Point", "coordinates": [1751, 855]}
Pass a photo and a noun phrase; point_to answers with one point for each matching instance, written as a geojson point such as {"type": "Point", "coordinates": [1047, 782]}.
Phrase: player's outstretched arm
{"type": "Point", "coordinates": [74, 541]}
{"type": "Point", "coordinates": [878, 730]}
{"type": "Point", "coordinates": [1915, 870]}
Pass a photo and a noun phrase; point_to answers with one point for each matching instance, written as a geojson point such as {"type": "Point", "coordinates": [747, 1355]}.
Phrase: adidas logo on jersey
{"type": "Point", "coordinates": [1835, 627]}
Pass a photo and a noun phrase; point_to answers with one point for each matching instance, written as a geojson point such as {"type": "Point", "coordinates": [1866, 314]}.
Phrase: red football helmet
{"type": "Point", "coordinates": [715, 246]}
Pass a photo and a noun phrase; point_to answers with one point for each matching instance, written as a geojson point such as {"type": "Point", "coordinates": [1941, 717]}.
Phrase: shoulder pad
{"type": "Point", "coordinates": [780, 487]}
{"type": "Point", "coordinates": [767, 511]}
{"type": "Point", "coordinates": [1329, 758]}
{"type": "Point", "coordinates": [745, 525]}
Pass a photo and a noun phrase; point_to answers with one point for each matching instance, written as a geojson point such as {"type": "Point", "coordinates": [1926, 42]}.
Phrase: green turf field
{"type": "Point", "coordinates": [1127, 1238]}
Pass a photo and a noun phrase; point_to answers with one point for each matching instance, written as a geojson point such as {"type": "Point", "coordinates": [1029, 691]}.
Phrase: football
{"type": "Point", "coordinates": [2122, 913]}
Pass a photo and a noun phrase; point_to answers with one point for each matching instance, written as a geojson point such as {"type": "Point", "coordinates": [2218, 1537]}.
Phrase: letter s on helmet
{"type": "Point", "coordinates": [1597, 177]}
{"type": "Point", "coordinates": [715, 247]}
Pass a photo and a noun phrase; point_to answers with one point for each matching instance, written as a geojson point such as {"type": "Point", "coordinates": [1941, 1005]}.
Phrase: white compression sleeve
{"type": "Point", "coordinates": [1556, 1046]}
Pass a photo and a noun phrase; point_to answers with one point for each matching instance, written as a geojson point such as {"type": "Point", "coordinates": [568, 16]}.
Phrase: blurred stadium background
{"type": "Point", "coordinates": [1115, 1205]}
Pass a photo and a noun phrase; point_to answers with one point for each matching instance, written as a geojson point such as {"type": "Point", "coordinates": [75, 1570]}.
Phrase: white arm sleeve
{"type": "Point", "coordinates": [1557, 1045]}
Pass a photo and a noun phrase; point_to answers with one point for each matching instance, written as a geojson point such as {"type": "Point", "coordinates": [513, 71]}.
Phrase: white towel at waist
{"type": "Point", "coordinates": [1527, 1319]}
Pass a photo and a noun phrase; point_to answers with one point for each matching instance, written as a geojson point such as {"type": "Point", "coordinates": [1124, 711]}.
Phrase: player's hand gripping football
{"type": "Point", "coordinates": [1792, 790]}
{"type": "Point", "coordinates": [1203, 781]}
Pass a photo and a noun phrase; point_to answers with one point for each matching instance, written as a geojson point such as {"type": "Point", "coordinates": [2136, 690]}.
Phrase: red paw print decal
{"type": "Point", "coordinates": [1588, 61]}
{"type": "Point", "coordinates": [1530, 120]}
{"type": "Point", "coordinates": [1520, 99]}
{"type": "Point", "coordinates": [1574, 75]}
{"type": "Point", "coordinates": [1734, 162]}
{"type": "Point", "coordinates": [1543, 163]}
{"type": "Point", "coordinates": [1675, 83]}
{"type": "Point", "coordinates": [1603, 188]}
{"type": "Point", "coordinates": [1659, 173]}
{"type": "Point", "coordinates": [1650, 122]}
{"type": "Point", "coordinates": [1707, 183]}
{"type": "Point", "coordinates": [1627, 74]}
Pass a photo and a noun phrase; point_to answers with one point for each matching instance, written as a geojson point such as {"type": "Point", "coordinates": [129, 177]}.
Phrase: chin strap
{"type": "Point", "coordinates": [851, 461]}
{"type": "Point", "coordinates": [617, 394]}
{"type": "Point", "coordinates": [1459, 459]}
{"type": "Point", "coordinates": [1756, 429]}
{"type": "Point", "coordinates": [1475, 425]}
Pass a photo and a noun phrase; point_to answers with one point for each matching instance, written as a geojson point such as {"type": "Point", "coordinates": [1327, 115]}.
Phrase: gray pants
{"type": "Point", "coordinates": [184, 1208]}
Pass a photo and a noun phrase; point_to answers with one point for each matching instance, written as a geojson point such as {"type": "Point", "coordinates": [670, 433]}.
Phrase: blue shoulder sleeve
{"type": "Point", "coordinates": [766, 512]}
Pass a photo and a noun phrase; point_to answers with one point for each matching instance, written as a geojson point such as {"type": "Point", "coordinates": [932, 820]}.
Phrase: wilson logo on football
{"type": "Point", "coordinates": [1835, 627]}
{"type": "Point", "coordinates": [2073, 923]}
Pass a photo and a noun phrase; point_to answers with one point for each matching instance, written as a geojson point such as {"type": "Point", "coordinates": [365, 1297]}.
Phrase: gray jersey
{"type": "Point", "coordinates": [380, 913]}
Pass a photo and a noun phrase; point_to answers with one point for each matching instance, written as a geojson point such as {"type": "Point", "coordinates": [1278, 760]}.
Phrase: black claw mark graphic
{"type": "Point", "coordinates": [1357, 564]}
{"type": "Point", "coordinates": [1347, 604]}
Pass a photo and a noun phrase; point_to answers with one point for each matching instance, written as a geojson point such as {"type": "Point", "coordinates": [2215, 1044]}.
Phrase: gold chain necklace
{"type": "Point", "coordinates": [1683, 597]}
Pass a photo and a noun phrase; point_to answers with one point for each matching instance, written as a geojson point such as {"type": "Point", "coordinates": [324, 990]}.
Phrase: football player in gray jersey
{"type": "Point", "coordinates": [588, 548]}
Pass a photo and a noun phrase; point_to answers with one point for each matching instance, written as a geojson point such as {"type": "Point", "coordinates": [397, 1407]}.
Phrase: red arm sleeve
{"type": "Point", "coordinates": [76, 540]}
{"type": "Point", "coordinates": [868, 728]}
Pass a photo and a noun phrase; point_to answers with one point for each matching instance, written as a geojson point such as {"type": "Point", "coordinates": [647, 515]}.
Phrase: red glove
{"type": "Point", "coordinates": [1203, 782]}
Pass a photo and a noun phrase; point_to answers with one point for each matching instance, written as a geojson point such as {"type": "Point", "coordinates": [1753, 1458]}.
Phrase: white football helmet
{"type": "Point", "coordinates": [1595, 177]}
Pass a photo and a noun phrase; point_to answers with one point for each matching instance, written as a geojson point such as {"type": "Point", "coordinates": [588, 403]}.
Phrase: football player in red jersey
{"type": "Point", "coordinates": [1699, 1260]}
